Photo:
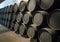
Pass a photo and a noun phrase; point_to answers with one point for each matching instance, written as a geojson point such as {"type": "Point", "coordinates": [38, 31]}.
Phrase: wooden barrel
{"type": "Point", "coordinates": [13, 17]}
{"type": "Point", "coordinates": [22, 6]}
{"type": "Point", "coordinates": [9, 16]}
{"type": "Point", "coordinates": [40, 17]}
{"type": "Point", "coordinates": [32, 30]}
{"type": "Point", "coordinates": [12, 26]}
{"type": "Point", "coordinates": [46, 4]}
{"type": "Point", "coordinates": [1, 22]}
{"type": "Point", "coordinates": [5, 9]}
{"type": "Point", "coordinates": [8, 23]}
{"type": "Point", "coordinates": [31, 5]}
{"type": "Point", "coordinates": [50, 4]}
{"type": "Point", "coordinates": [46, 35]}
{"type": "Point", "coordinates": [16, 27]}
{"type": "Point", "coordinates": [6, 16]}
{"type": "Point", "coordinates": [5, 22]}
{"type": "Point", "coordinates": [0, 10]}
{"type": "Point", "coordinates": [19, 17]}
{"type": "Point", "coordinates": [27, 19]}
{"type": "Point", "coordinates": [2, 15]}
{"type": "Point", "coordinates": [15, 8]}
{"type": "Point", "coordinates": [23, 30]}
{"type": "Point", "coordinates": [6, 19]}
{"type": "Point", "coordinates": [54, 20]}
{"type": "Point", "coordinates": [11, 8]}
{"type": "Point", "coordinates": [8, 9]}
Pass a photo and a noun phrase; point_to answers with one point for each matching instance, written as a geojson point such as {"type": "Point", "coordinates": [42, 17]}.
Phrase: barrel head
{"type": "Point", "coordinates": [22, 29]}
{"type": "Point", "coordinates": [46, 4]}
{"type": "Point", "coordinates": [31, 5]}
{"type": "Point", "coordinates": [31, 32]}
{"type": "Point", "coordinates": [38, 19]}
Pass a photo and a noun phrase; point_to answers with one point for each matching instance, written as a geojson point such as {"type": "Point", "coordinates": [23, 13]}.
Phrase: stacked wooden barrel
{"type": "Point", "coordinates": [35, 19]}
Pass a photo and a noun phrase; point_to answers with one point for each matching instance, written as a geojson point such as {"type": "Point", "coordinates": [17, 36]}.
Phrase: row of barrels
{"type": "Point", "coordinates": [31, 26]}
{"type": "Point", "coordinates": [33, 5]}
{"type": "Point", "coordinates": [38, 20]}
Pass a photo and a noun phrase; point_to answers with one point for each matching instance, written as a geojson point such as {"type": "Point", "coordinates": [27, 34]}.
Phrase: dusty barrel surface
{"type": "Point", "coordinates": [40, 18]}
{"type": "Point", "coordinates": [12, 26]}
{"type": "Point", "coordinates": [3, 21]}
{"type": "Point", "coordinates": [4, 16]}
{"type": "Point", "coordinates": [11, 8]}
{"type": "Point", "coordinates": [19, 17]}
{"type": "Point", "coordinates": [16, 27]}
{"type": "Point", "coordinates": [5, 9]}
{"type": "Point", "coordinates": [46, 4]}
{"type": "Point", "coordinates": [54, 19]}
{"type": "Point", "coordinates": [8, 9]}
{"type": "Point", "coordinates": [23, 30]}
{"type": "Point", "coordinates": [33, 5]}
{"type": "Point", "coordinates": [49, 4]}
{"type": "Point", "coordinates": [32, 29]}
{"type": "Point", "coordinates": [22, 6]}
{"type": "Point", "coordinates": [27, 19]}
{"type": "Point", "coordinates": [14, 15]}
{"type": "Point", "coordinates": [8, 23]}
{"type": "Point", "coordinates": [6, 19]}
{"type": "Point", "coordinates": [15, 8]}
{"type": "Point", "coordinates": [9, 16]}
{"type": "Point", "coordinates": [45, 35]}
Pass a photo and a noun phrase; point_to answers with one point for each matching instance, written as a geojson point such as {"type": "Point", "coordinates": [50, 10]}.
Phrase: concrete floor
{"type": "Point", "coordinates": [10, 36]}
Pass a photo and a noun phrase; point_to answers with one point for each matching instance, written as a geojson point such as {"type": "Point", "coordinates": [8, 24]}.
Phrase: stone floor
{"type": "Point", "coordinates": [10, 36]}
